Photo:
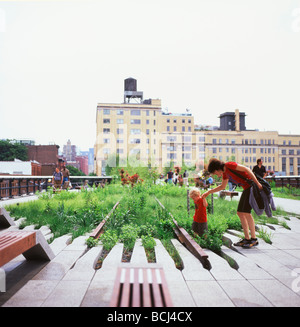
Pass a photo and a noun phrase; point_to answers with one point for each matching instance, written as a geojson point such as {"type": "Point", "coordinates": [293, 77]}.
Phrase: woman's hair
{"type": "Point", "coordinates": [215, 164]}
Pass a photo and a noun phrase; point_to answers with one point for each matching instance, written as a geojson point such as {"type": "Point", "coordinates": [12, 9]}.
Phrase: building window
{"type": "Point", "coordinates": [106, 111]}
{"type": "Point", "coordinates": [171, 155]}
{"type": "Point", "coordinates": [291, 166]}
{"type": "Point", "coordinates": [171, 138]}
{"type": "Point", "coordinates": [120, 112]}
{"type": "Point", "coordinates": [187, 139]}
{"type": "Point", "coordinates": [135, 131]}
{"type": "Point", "coordinates": [135, 121]}
{"type": "Point", "coordinates": [187, 156]}
{"type": "Point", "coordinates": [106, 141]}
{"type": "Point", "coordinates": [106, 121]}
{"type": "Point", "coordinates": [135, 112]}
{"type": "Point", "coordinates": [120, 151]}
{"type": "Point", "coordinates": [120, 131]}
{"type": "Point", "coordinates": [284, 164]}
{"type": "Point", "coordinates": [120, 121]}
{"type": "Point", "coordinates": [135, 141]}
{"type": "Point", "coordinates": [106, 130]}
{"type": "Point", "coordinates": [119, 141]}
{"type": "Point", "coordinates": [183, 128]}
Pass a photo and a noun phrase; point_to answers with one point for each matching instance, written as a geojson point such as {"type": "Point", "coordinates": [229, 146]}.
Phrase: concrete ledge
{"type": "Point", "coordinates": [5, 219]}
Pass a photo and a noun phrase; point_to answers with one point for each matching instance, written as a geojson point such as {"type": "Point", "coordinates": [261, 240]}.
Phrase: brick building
{"type": "Point", "coordinates": [46, 155]}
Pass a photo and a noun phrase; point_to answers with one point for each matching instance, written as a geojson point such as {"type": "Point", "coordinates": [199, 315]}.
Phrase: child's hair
{"type": "Point", "coordinates": [194, 193]}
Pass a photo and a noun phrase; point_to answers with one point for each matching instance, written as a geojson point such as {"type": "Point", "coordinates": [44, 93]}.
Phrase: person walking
{"type": "Point", "coordinates": [226, 171]}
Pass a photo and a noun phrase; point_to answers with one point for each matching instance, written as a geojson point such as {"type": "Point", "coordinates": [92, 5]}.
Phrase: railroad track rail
{"type": "Point", "coordinates": [182, 235]}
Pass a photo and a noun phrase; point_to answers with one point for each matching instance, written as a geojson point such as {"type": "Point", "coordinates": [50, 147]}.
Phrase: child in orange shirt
{"type": "Point", "coordinates": [199, 225]}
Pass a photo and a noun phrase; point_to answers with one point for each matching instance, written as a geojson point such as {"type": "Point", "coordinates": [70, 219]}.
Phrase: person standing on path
{"type": "Point", "coordinates": [57, 179]}
{"type": "Point", "coordinates": [66, 176]}
{"type": "Point", "coordinates": [226, 171]}
{"type": "Point", "coordinates": [170, 176]}
{"type": "Point", "coordinates": [199, 225]}
{"type": "Point", "coordinates": [259, 169]}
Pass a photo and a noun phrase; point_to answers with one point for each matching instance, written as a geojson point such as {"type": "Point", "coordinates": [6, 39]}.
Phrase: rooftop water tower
{"type": "Point", "coordinates": [130, 91]}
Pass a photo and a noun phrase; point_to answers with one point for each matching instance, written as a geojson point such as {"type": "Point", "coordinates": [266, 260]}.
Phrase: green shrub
{"type": "Point", "coordinates": [128, 236]}
{"type": "Point", "coordinates": [109, 239]}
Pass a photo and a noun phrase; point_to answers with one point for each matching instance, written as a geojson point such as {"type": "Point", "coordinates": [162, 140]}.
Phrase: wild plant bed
{"type": "Point", "coordinates": [138, 215]}
{"type": "Point", "coordinates": [68, 212]}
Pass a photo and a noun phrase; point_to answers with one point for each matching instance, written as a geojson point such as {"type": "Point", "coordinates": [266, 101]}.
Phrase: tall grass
{"type": "Point", "coordinates": [68, 212]}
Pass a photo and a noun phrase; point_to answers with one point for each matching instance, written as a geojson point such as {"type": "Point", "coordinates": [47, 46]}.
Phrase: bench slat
{"type": "Point", "coordinates": [158, 302]}
{"type": "Point", "coordinates": [140, 287]}
{"type": "Point", "coordinates": [125, 299]}
{"type": "Point", "coordinates": [136, 300]}
{"type": "Point", "coordinates": [146, 290]}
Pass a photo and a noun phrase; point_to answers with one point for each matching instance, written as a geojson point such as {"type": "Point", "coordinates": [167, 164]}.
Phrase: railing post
{"type": "Point", "coordinates": [10, 188]}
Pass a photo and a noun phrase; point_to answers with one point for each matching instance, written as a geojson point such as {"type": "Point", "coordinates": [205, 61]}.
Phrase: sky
{"type": "Point", "coordinates": [58, 59]}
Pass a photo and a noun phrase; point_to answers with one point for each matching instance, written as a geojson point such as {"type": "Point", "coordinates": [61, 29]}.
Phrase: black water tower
{"type": "Point", "coordinates": [130, 91]}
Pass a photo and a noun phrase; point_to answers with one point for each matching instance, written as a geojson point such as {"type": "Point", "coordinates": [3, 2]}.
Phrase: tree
{"type": "Point", "coordinates": [74, 171]}
{"type": "Point", "coordinates": [10, 150]}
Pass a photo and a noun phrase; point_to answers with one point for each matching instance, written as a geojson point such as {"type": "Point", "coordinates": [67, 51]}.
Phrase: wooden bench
{"type": "Point", "coordinates": [223, 194]}
{"type": "Point", "coordinates": [140, 287]}
{"type": "Point", "coordinates": [31, 244]}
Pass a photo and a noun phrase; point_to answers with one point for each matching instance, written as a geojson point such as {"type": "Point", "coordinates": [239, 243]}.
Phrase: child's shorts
{"type": "Point", "coordinates": [199, 228]}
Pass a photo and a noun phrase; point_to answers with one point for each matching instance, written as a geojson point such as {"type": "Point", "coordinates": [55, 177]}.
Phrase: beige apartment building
{"type": "Point", "coordinates": [140, 131]}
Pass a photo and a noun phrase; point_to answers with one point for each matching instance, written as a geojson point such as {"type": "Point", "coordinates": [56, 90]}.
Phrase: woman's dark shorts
{"type": "Point", "coordinates": [244, 205]}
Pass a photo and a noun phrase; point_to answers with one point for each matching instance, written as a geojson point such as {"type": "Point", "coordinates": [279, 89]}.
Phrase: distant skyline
{"type": "Point", "coordinates": [58, 59]}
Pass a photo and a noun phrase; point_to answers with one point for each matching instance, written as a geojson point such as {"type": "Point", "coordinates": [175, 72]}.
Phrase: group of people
{"type": "Point", "coordinates": [175, 177]}
{"type": "Point", "coordinates": [61, 178]}
{"type": "Point", "coordinates": [227, 172]}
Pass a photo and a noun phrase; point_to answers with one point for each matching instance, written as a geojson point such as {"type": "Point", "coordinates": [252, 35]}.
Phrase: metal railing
{"type": "Point", "coordinates": [11, 186]}
{"type": "Point", "coordinates": [285, 181]}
